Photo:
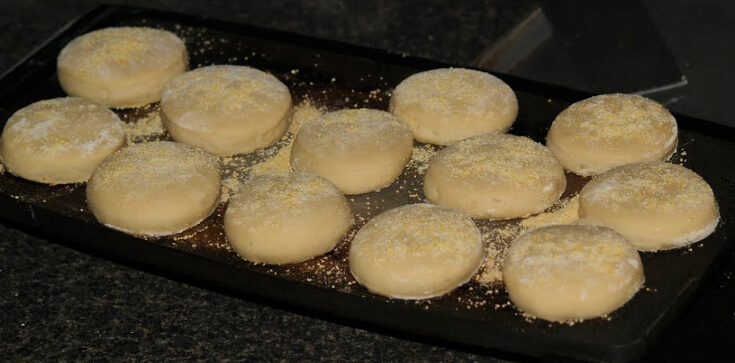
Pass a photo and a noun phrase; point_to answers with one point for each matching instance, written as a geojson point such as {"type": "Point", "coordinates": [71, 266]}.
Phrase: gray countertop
{"type": "Point", "coordinates": [59, 303]}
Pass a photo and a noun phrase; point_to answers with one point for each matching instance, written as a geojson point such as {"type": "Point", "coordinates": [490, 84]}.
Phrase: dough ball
{"type": "Point", "coordinates": [597, 134]}
{"type": "Point", "coordinates": [287, 218]}
{"type": "Point", "coordinates": [121, 67]}
{"type": "Point", "coordinates": [571, 272]}
{"type": "Point", "coordinates": [226, 110]}
{"type": "Point", "coordinates": [416, 252]}
{"type": "Point", "coordinates": [60, 141]}
{"type": "Point", "coordinates": [359, 150]}
{"type": "Point", "coordinates": [443, 106]}
{"type": "Point", "coordinates": [655, 205]}
{"type": "Point", "coordinates": [495, 176]}
{"type": "Point", "coordinates": [155, 188]}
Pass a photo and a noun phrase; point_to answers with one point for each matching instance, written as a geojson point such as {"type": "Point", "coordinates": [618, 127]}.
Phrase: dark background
{"type": "Point", "coordinates": [60, 303]}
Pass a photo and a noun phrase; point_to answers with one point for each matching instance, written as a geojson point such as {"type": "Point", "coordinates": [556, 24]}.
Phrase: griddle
{"type": "Point", "coordinates": [337, 75]}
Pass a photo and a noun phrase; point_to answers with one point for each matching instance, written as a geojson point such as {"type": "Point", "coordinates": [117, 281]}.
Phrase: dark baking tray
{"type": "Point", "coordinates": [329, 73]}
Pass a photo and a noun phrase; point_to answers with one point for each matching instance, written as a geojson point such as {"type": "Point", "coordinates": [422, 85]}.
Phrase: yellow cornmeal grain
{"type": "Point", "coordinates": [421, 156]}
{"type": "Point", "coordinates": [566, 211]}
{"type": "Point", "coordinates": [275, 163]}
{"type": "Point", "coordinates": [499, 159]}
{"type": "Point", "coordinates": [359, 150]}
{"type": "Point", "coordinates": [233, 175]}
{"type": "Point", "coordinates": [280, 161]}
{"type": "Point", "coordinates": [203, 90]}
{"type": "Point", "coordinates": [416, 251]}
{"type": "Point", "coordinates": [272, 197]}
{"type": "Point", "coordinates": [649, 186]}
{"type": "Point", "coordinates": [343, 132]}
{"type": "Point", "coordinates": [606, 120]}
{"type": "Point", "coordinates": [112, 52]}
{"type": "Point", "coordinates": [230, 187]}
{"type": "Point", "coordinates": [239, 169]}
{"type": "Point", "coordinates": [153, 164]}
{"type": "Point", "coordinates": [497, 239]}
{"type": "Point", "coordinates": [286, 218]}
{"type": "Point", "coordinates": [418, 231]}
{"type": "Point", "coordinates": [544, 250]}
{"type": "Point", "coordinates": [155, 189]}
{"type": "Point", "coordinates": [60, 125]}
{"type": "Point", "coordinates": [447, 90]}
{"type": "Point", "coordinates": [329, 272]}
{"type": "Point", "coordinates": [147, 128]}
{"type": "Point", "coordinates": [495, 176]}
{"type": "Point", "coordinates": [303, 113]}
{"type": "Point", "coordinates": [655, 205]}
{"type": "Point", "coordinates": [443, 106]}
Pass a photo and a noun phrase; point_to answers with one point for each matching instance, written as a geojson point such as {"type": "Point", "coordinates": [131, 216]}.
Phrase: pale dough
{"type": "Point", "coordinates": [286, 218]}
{"type": "Point", "coordinates": [155, 188]}
{"type": "Point", "coordinates": [597, 134]}
{"type": "Point", "coordinates": [226, 110]}
{"type": "Point", "coordinates": [495, 176]}
{"type": "Point", "coordinates": [655, 205]}
{"type": "Point", "coordinates": [416, 251]}
{"type": "Point", "coordinates": [443, 106]}
{"type": "Point", "coordinates": [121, 67]}
{"type": "Point", "coordinates": [360, 150]}
{"type": "Point", "coordinates": [60, 141]}
{"type": "Point", "coordinates": [571, 272]}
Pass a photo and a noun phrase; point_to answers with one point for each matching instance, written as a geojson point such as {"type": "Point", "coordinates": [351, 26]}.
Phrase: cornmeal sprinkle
{"type": "Point", "coordinates": [544, 253]}
{"type": "Point", "coordinates": [149, 168]}
{"type": "Point", "coordinates": [497, 238]}
{"type": "Point", "coordinates": [146, 128]}
{"type": "Point", "coordinates": [501, 160]}
{"type": "Point", "coordinates": [347, 132]}
{"type": "Point", "coordinates": [421, 157]}
{"type": "Point", "coordinates": [116, 52]}
{"type": "Point", "coordinates": [451, 91]}
{"type": "Point", "coordinates": [649, 188]}
{"type": "Point", "coordinates": [610, 121]}
{"type": "Point", "coordinates": [271, 197]}
{"type": "Point", "coordinates": [240, 168]}
{"type": "Point", "coordinates": [63, 125]}
{"type": "Point", "coordinates": [417, 231]}
{"type": "Point", "coordinates": [566, 211]}
{"type": "Point", "coordinates": [193, 100]}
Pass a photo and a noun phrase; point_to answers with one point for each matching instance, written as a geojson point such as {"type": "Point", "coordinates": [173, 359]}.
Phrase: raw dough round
{"type": "Point", "coordinates": [416, 251]}
{"type": "Point", "coordinates": [495, 176]}
{"type": "Point", "coordinates": [287, 218]}
{"type": "Point", "coordinates": [60, 140]}
{"type": "Point", "coordinates": [121, 67]}
{"type": "Point", "coordinates": [571, 272]}
{"type": "Point", "coordinates": [226, 110]}
{"type": "Point", "coordinates": [655, 205]}
{"type": "Point", "coordinates": [155, 188]}
{"type": "Point", "coordinates": [443, 106]}
{"type": "Point", "coordinates": [359, 150]}
{"type": "Point", "coordinates": [597, 134]}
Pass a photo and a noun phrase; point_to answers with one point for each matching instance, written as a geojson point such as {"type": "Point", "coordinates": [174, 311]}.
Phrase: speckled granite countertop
{"type": "Point", "coordinates": [59, 303]}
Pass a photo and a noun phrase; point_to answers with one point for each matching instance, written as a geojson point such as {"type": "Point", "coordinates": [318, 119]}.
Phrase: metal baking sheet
{"type": "Point", "coordinates": [335, 75]}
